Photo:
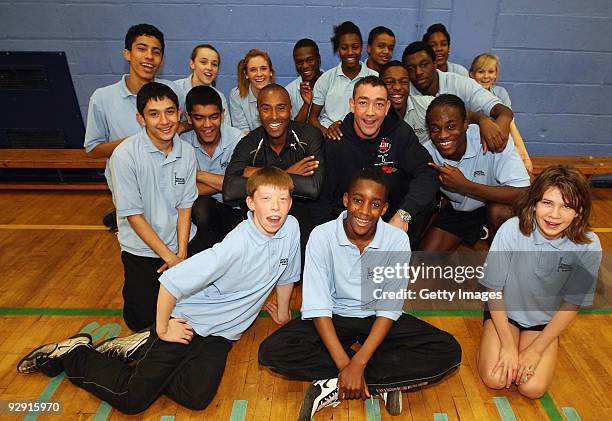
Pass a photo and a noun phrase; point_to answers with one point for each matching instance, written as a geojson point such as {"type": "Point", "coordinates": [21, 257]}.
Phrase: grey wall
{"type": "Point", "coordinates": [556, 55]}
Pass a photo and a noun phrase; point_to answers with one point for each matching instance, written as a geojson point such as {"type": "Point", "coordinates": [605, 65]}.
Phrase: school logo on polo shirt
{"type": "Point", "coordinates": [479, 172]}
{"type": "Point", "coordinates": [284, 261]}
{"type": "Point", "coordinates": [563, 267]}
{"type": "Point", "coordinates": [178, 180]}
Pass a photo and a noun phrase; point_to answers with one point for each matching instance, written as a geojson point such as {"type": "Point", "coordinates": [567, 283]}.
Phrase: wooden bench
{"type": "Point", "coordinates": [588, 165]}
{"type": "Point", "coordinates": [54, 159]}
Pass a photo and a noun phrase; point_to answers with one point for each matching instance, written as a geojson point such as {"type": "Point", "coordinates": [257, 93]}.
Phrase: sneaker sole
{"type": "Point", "coordinates": [128, 357]}
{"type": "Point", "coordinates": [33, 355]}
{"type": "Point", "coordinates": [310, 396]}
{"type": "Point", "coordinates": [394, 406]}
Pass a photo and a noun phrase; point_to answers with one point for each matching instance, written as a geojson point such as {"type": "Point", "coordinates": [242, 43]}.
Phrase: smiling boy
{"type": "Point", "coordinates": [397, 351]}
{"type": "Point", "coordinates": [153, 186]}
{"type": "Point", "coordinates": [214, 143]}
{"type": "Point", "coordinates": [308, 65]}
{"type": "Point", "coordinates": [204, 304]}
{"type": "Point", "coordinates": [480, 190]}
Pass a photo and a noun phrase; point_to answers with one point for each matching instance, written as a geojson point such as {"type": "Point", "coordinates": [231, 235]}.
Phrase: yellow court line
{"type": "Point", "coordinates": [53, 227]}
{"type": "Point", "coordinates": [602, 229]}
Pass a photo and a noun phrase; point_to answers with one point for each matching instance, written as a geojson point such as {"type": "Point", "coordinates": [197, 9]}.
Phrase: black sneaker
{"type": "Point", "coordinates": [110, 220]}
{"type": "Point", "coordinates": [320, 393]}
{"type": "Point", "coordinates": [124, 349]}
{"type": "Point", "coordinates": [393, 402]}
{"type": "Point", "coordinates": [45, 354]}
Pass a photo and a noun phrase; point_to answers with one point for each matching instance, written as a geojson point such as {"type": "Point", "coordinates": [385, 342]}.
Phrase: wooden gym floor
{"type": "Point", "coordinates": [61, 273]}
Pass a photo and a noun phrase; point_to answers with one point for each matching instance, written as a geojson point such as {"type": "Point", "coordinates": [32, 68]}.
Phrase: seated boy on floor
{"type": "Point", "coordinates": [478, 190]}
{"type": "Point", "coordinates": [204, 304]}
{"type": "Point", "coordinates": [340, 307]}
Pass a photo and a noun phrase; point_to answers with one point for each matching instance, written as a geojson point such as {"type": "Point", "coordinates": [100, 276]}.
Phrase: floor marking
{"type": "Point", "coordinates": [103, 412]}
{"type": "Point", "coordinates": [504, 408]}
{"type": "Point", "coordinates": [53, 227]}
{"type": "Point", "coordinates": [550, 408]}
{"type": "Point", "coordinates": [602, 229]}
{"type": "Point", "coordinates": [438, 416]}
{"type": "Point", "coordinates": [167, 418]}
{"type": "Point", "coordinates": [372, 407]}
{"type": "Point", "coordinates": [239, 409]}
{"type": "Point", "coordinates": [97, 332]}
{"type": "Point", "coordinates": [571, 414]}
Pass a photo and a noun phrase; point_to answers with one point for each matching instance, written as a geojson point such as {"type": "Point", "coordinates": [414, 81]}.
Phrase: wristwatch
{"type": "Point", "coordinates": [404, 216]}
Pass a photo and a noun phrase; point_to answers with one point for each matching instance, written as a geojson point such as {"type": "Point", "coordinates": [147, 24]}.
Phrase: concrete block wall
{"type": "Point", "coordinates": [556, 55]}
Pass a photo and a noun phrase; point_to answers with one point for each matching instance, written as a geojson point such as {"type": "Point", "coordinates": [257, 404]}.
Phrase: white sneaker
{"type": "Point", "coordinates": [393, 402]}
{"type": "Point", "coordinates": [320, 394]}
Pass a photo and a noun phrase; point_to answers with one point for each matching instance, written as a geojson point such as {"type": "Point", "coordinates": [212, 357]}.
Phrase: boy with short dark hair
{"type": "Point", "coordinates": [204, 304]}
{"type": "Point", "coordinates": [153, 185]}
{"type": "Point", "coordinates": [308, 65]}
{"type": "Point", "coordinates": [340, 307]}
{"type": "Point", "coordinates": [214, 143]}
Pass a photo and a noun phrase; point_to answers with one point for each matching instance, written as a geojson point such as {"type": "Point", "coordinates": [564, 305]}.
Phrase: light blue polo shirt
{"type": "Point", "coordinates": [221, 290]}
{"type": "Point", "coordinates": [502, 94]}
{"type": "Point", "coordinates": [475, 97]}
{"type": "Point", "coordinates": [216, 164]}
{"type": "Point", "coordinates": [457, 68]}
{"type": "Point", "coordinates": [416, 109]}
{"type": "Point", "coordinates": [333, 281]}
{"type": "Point", "coordinates": [112, 114]}
{"type": "Point", "coordinates": [333, 91]}
{"type": "Point", "coordinates": [244, 111]}
{"type": "Point", "coordinates": [293, 89]}
{"type": "Point", "coordinates": [144, 181]}
{"type": "Point", "coordinates": [185, 85]}
{"type": "Point", "coordinates": [492, 169]}
{"type": "Point", "coordinates": [536, 274]}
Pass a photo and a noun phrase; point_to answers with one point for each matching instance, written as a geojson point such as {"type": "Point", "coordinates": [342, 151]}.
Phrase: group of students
{"type": "Point", "coordinates": [212, 221]}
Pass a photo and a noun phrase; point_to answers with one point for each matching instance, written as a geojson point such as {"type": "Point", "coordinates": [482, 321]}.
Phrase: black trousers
{"type": "Point", "coordinates": [187, 374]}
{"type": "Point", "coordinates": [214, 219]}
{"type": "Point", "coordinates": [141, 286]}
{"type": "Point", "coordinates": [414, 353]}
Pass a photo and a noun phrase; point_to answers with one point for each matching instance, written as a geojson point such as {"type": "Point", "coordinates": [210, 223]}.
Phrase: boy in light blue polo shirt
{"type": "Point", "coordinates": [214, 144]}
{"type": "Point", "coordinates": [425, 79]}
{"type": "Point", "coordinates": [341, 305]}
{"type": "Point", "coordinates": [153, 177]}
{"type": "Point", "coordinates": [111, 116]}
{"type": "Point", "coordinates": [308, 65]}
{"type": "Point", "coordinates": [204, 304]}
{"type": "Point", "coordinates": [479, 190]}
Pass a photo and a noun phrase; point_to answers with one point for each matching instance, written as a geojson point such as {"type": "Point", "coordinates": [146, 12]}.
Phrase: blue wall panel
{"type": "Point", "coordinates": [556, 54]}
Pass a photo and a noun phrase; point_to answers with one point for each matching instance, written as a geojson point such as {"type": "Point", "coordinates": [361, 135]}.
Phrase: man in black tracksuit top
{"type": "Point", "coordinates": [297, 148]}
{"type": "Point", "coordinates": [373, 135]}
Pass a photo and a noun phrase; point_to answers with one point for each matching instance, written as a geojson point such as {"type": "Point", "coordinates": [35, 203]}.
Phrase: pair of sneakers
{"type": "Point", "coordinates": [324, 393]}
{"type": "Point", "coordinates": [48, 357]}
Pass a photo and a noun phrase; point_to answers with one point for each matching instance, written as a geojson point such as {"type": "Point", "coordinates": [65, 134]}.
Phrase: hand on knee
{"type": "Point", "coordinates": [492, 381]}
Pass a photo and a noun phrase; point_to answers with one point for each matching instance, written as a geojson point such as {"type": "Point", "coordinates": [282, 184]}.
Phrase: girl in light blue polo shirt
{"type": "Point", "coordinates": [330, 102]}
{"type": "Point", "coordinates": [485, 71]}
{"type": "Point", "coordinates": [254, 72]}
{"type": "Point", "coordinates": [544, 263]}
{"type": "Point", "coordinates": [438, 37]}
{"type": "Point", "coordinates": [204, 63]}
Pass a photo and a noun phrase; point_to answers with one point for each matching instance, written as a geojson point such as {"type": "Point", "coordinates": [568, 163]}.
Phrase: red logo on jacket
{"type": "Point", "coordinates": [384, 146]}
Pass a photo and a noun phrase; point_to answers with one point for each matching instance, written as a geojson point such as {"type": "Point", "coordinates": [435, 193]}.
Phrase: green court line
{"type": "Point", "coordinates": [550, 408]}
{"type": "Point", "coordinates": [440, 416]}
{"type": "Point", "coordinates": [372, 407]}
{"type": "Point", "coordinates": [504, 408]}
{"type": "Point", "coordinates": [103, 412]}
{"type": "Point", "coordinates": [571, 414]}
{"type": "Point", "coordinates": [239, 409]}
{"type": "Point", "coordinates": [167, 418]}
{"type": "Point", "coordinates": [103, 312]}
